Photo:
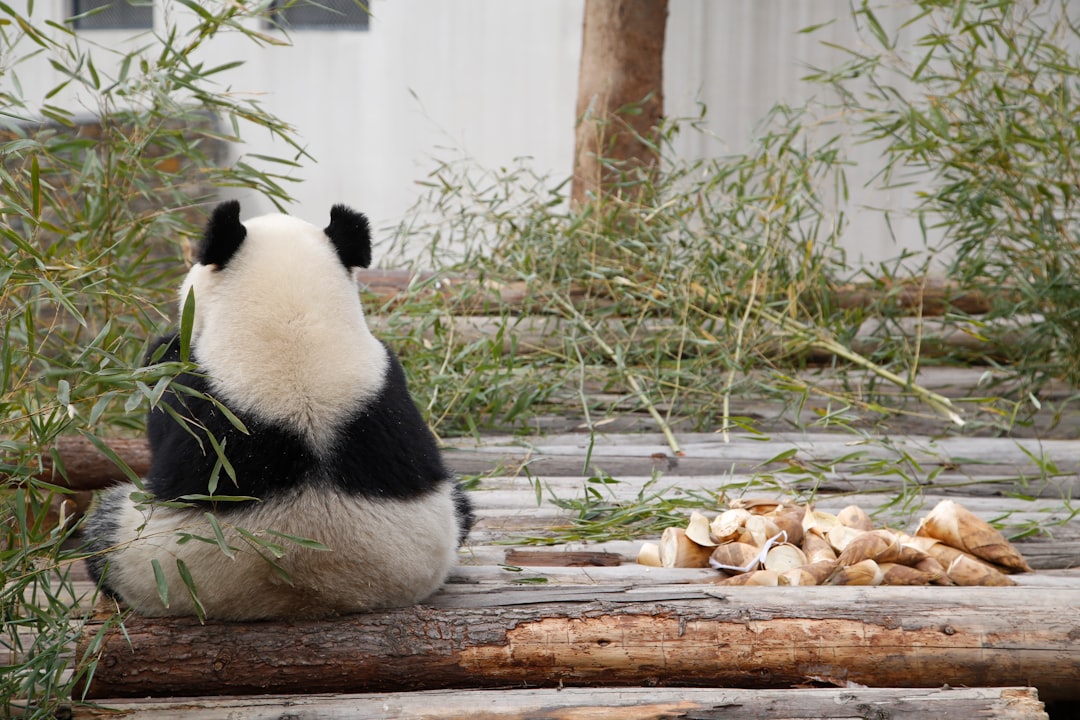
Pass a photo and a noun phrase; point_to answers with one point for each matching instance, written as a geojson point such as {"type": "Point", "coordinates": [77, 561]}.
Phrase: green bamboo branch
{"type": "Point", "coordinates": [817, 337]}
{"type": "Point", "coordinates": [737, 357]}
{"type": "Point", "coordinates": [620, 365]}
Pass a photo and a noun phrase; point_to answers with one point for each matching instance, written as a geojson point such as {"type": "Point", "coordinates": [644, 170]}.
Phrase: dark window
{"type": "Point", "coordinates": [320, 15]}
{"type": "Point", "coordinates": [112, 14]}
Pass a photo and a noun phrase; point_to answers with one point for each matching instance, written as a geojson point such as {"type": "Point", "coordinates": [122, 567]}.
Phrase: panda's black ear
{"type": "Point", "coordinates": [349, 232]}
{"type": "Point", "coordinates": [223, 235]}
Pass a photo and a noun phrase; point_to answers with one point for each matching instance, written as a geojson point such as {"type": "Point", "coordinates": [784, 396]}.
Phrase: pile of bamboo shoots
{"type": "Point", "coordinates": [770, 542]}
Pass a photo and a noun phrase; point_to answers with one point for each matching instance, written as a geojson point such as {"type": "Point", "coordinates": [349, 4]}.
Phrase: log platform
{"type": "Point", "coordinates": [598, 704]}
{"type": "Point", "coordinates": [534, 624]}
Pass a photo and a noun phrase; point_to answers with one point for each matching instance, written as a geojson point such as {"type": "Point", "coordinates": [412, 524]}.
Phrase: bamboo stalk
{"type": "Point", "coordinates": [815, 337]}
{"type": "Point", "coordinates": [664, 426]}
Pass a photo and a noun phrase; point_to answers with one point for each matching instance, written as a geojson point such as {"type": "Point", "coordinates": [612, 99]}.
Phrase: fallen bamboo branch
{"type": "Point", "coordinates": [617, 358]}
{"type": "Point", "coordinates": [814, 336]}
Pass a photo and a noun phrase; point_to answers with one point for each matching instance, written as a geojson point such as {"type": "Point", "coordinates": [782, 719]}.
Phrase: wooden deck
{"type": "Point", "coordinates": [511, 637]}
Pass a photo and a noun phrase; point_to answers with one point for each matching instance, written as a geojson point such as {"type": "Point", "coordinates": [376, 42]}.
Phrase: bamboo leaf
{"type": "Point", "coordinates": [278, 551]}
{"type": "Point", "coordinates": [302, 542]}
{"type": "Point", "coordinates": [35, 186]}
{"type": "Point", "coordinates": [187, 323]}
{"type": "Point", "coordinates": [114, 458]}
{"type": "Point", "coordinates": [199, 497]}
{"type": "Point", "coordinates": [219, 536]}
{"type": "Point", "coordinates": [222, 462]}
{"type": "Point", "coordinates": [189, 583]}
{"type": "Point", "coordinates": [161, 582]}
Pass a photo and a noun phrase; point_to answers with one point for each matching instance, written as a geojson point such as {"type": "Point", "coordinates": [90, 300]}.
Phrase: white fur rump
{"type": "Point", "coordinates": [381, 554]}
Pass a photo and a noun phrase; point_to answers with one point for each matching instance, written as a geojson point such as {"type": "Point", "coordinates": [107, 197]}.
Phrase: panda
{"type": "Point", "coordinates": [332, 448]}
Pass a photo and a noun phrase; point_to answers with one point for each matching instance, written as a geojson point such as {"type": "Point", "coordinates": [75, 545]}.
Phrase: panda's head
{"type": "Point", "coordinates": [272, 247]}
{"type": "Point", "coordinates": [278, 324]}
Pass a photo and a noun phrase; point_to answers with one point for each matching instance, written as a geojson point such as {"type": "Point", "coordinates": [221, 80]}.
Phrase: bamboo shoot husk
{"type": "Point", "coordinates": [817, 548]}
{"type": "Point", "coordinates": [840, 536]}
{"type": "Point", "coordinates": [819, 521]}
{"type": "Point", "coordinates": [945, 555]}
{"type": "Point", "coordinates": [960, 572]}
{"type": "Point", "coordinates": [758, 529]}
{"type": "Point", "coordinates": [649, 554]}
{"type": "Point", "coordinates": [757, 506]}
{"type": "Point", "coordinates": [865, 546]}
{"type": "Point", "coordinates": [866, 572]}
{"type": "Point", "coordinates": [931, 566]}
{"type": "Point", "coordinates": [784, 557]}
{"type": "Point", "coordinates": [881, 546]}
{"type": "Point", "coordinates": [957, 526]}
{"type": "Point", "coordinates": [897, 574]}
{"type": "Point", "coordinates": [736, 557]}
{"type": "Point", "coordinates": [854, 516]}
{"type": "Point", "coordinates": [821, 570]}
{"type": "Point", "coordinates": [698, 530]}
{"type": "Point", "coordinates": [969, 570]}
{"type": "Point", "coordinates": [764, 578]}
{"type": "Point", "coordinates": [798, 576]}
{"type": "Point", "coordinates": [729, 524]}
{"type": "Point", "coordinates": [790, 520]}
{"type": "Point", "coordinates": [678, 550]}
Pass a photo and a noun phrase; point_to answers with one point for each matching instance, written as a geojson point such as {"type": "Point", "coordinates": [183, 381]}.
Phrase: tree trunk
{"type": "Point", "coordinates": [620, 93]}
{"type": "Point", "coordinates": [474, 636]}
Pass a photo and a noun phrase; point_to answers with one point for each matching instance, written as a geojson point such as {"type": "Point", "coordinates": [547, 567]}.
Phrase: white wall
{"type": "Point", "coordinates": [742, 57]}
{"type": "Point", "coordinates": [495, 80]}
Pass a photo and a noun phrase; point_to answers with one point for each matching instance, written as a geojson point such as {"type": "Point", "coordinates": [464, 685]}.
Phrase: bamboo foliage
{"type": "Point", "coordinates": [97, 217]}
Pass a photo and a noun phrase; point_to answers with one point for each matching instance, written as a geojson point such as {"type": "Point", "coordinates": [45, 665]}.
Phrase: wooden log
{"type": "Point", "coordinates": [954, 450]}
{"type": "Point", "coordinates": [87, 468]}
{"type": "Point", "coordinates": [841, 480]}
{"type": "Point", "coordinates": [1048, 556]}
{"type": "Point", "coordinates": [508, 506]}
{"type": "Point", "coordinates": [937, 337]}
{"type": "Point", "coordinates": [926, 296]}
{"type": "Point", "coordinates": [1051, 554]}
{"type": "Point", "coordinates": [685, 635]}
{"type": "Point", "coordinates": [596, 704]}
{"type": "Point", "coordinates": [561, 558]}
{"type": "Point", "coordinates": [467, 295]}
{"type": "Point", "coordinates": [923, 296]}
{"type": "Point", "coordinates": [705, 453]}
{"type": "Point", "coordinates": [621, 575]}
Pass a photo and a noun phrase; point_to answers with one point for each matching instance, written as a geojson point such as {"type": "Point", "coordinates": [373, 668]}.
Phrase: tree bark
{"type": "Point", "coordinates": [475, 636]}
{"type": "Point", "coordinates": [620, 93]}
